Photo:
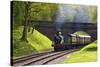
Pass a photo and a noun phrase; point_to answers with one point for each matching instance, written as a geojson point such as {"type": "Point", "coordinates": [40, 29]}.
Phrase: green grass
{"type": "Point", "coordinates": [86, 54]}
{"type": "Point", "coordinates": [36, 43]}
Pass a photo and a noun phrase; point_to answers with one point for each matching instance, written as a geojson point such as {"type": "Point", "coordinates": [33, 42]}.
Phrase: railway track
{"type": "Point", "coordinates": [20, 59]}
{"type": "Point", "coordinates": [41, 59]}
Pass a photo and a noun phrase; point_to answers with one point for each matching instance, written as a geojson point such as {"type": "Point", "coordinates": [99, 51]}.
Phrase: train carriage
{"type": "Point", "coordinates": [72, 41]}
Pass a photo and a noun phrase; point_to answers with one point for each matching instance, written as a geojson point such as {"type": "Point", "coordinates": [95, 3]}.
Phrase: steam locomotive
{"type": "Point", "coordinates": [72, 41]}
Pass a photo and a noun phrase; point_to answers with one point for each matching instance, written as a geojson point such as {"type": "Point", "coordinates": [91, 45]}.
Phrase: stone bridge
{"type": "Point", "coordinates": [49, 29]}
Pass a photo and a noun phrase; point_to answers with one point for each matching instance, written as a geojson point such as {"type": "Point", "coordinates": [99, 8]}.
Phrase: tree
{"type": "Point", "coordinates": [24, 36]}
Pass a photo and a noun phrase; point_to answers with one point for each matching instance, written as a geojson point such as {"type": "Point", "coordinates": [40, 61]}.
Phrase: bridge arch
{"type": "Point", "coordinates": [48, 29]}
{"type": "Point", "coordinates": [92, 33]}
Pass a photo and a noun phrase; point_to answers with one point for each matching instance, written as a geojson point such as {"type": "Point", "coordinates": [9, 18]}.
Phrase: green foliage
{"type": "Point", "coordinates": [18, 13]}
{"type": "Point", "coordinates": [86, 54]}
{"type": "Point", "coordinates": [42, 11]}
{"type": "Point", "coordinates": [36, 43]}
{"type": "Point", "coordinates": [92, 10]}
{"type": "Point", "coordinates": [36, 11]}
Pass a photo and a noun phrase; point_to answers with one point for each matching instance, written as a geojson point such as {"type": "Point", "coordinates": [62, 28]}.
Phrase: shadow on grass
{"type": "Point", "coordinates": [21, 48]}
{"type": "Point", "coordinates": [91, 49]}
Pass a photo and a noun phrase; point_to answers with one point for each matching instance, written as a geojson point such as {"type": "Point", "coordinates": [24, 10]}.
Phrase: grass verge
{"type": "Point", "coordinates": [36, 43]}
{"type": "Point", "coordinates": [86, 54]}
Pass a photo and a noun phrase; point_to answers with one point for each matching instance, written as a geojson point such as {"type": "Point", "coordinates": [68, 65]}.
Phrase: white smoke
{"type": "Point", "coordinates": [82, 15]}
{"type": "Point", "coordinates": [63, 14]}
{"type": "Point", "coordinates": [77, 15]}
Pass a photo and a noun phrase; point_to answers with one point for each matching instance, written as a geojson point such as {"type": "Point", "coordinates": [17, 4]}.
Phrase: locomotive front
{"type": "Point", "coordinates": [58, 41]}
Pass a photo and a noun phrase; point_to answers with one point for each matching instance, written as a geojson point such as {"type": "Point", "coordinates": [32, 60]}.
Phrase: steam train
{"type": "Point", "coordinates": [72, 41]}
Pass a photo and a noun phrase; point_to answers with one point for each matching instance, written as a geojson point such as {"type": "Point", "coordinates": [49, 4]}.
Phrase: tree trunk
{"type": "Point", "coordinates": [24, 36]}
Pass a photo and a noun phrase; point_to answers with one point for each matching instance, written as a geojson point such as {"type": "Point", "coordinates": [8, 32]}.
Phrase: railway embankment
{"type": "Point", "coordinates": [37, 43]}
{"type": "Point", "coordinates": [86, 54]}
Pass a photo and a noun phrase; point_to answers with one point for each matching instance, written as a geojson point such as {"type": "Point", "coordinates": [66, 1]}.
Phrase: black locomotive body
{"type": "Point", "coordinates": [72, 41]}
